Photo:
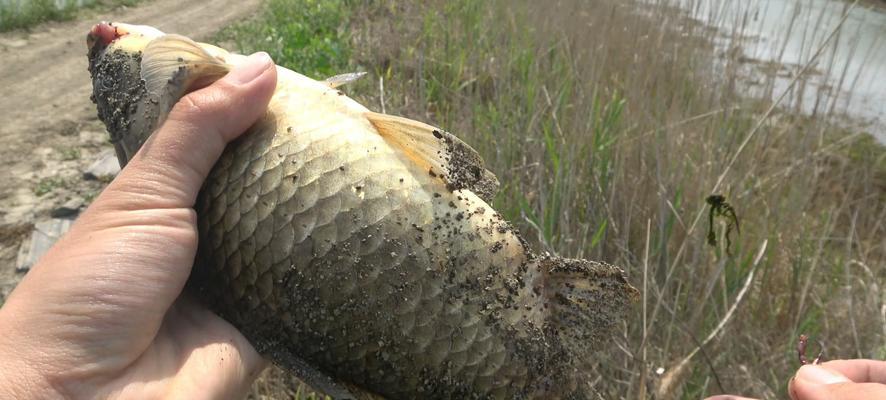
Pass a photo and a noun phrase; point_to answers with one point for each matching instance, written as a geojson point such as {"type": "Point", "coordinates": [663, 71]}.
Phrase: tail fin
{"type": "Point", "coordinates": [585, 302]}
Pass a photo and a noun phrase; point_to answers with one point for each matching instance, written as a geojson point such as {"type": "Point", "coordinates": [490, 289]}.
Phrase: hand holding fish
{"type": "Point", "coordinates": [101, 314]}
{"type": "Point", "coordinates": [359, 250]}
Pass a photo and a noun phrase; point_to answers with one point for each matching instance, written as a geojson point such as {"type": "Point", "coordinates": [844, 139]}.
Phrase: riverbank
{"type": "Point", "coordinates": [816, 57]}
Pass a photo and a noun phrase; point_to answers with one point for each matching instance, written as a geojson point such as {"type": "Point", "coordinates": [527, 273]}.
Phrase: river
{"type": "Point", "coordinates": [849, 76]}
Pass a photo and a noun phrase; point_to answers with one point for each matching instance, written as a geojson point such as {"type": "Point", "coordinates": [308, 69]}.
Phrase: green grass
{"type": "Point", "coordinates": [69, 153]}
{"type": "Point", "coordinates": [608, 129]}
{"type": "Point", "coordinates": [49, 184]}
{"type": "Point", "coordinates": [25, 14]}
{"type": "Point", "coordinates": [307, 36]}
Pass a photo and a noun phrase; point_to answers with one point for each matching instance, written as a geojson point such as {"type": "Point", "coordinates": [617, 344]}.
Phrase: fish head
{"type": "Point", "coordinates": [118, 90]}
{"type": "Point", "coordinates": [109, 36]}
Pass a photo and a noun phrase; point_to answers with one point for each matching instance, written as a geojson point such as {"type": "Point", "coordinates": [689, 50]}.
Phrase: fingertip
{"type": "Point", "coordinates": [251, 68]}
{"type": "Point", "coordinates": [818, 375]}
{"type": "Point", "coordinates": [860, 370]}
{"type": "Point", "coordinates": [810, 381]}
{"type": "Point", "coordinates": [251, 84]}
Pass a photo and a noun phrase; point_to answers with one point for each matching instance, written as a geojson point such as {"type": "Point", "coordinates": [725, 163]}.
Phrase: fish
{"type": "Point", "coordinates": [358, 250]}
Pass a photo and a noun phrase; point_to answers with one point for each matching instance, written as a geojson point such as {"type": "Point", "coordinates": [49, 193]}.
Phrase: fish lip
{"type": "Point", "coordinates": [102, 34]}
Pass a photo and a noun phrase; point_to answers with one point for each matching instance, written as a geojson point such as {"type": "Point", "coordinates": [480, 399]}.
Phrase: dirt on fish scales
{"type": "Point", "coordinates": [571, 287]}
{"type": "Point", "coordinates": [501, 289]}
{"type": "Point", "coordinates": [114, 89]}
{"type": "Point", "coordinates": [122, 102]}
{"type": "Point", "coordinates": [349, 338]}
{"type": "Point", "coordinates": [314, 303]}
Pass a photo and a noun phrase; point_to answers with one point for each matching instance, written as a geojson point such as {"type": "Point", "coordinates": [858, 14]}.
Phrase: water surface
{"type": "Point", "coordinates": [848, 77]}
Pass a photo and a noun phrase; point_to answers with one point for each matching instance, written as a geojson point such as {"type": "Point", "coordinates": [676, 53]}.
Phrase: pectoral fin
{"type": "Point", "coordinates": [172, 65]}
{"type": "Point", "coordinates": [439, 153]}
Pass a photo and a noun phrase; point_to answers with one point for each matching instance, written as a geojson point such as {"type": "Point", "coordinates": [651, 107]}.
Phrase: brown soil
{"type": "Point", "coordinates": [49, 131]}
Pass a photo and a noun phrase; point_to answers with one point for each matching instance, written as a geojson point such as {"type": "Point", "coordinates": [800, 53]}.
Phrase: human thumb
{"type": "Point", "coordinates": [168, 171]}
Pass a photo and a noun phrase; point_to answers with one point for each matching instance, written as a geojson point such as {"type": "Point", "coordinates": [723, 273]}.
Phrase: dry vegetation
{"type": "Point", "coordinates": [609, 125]}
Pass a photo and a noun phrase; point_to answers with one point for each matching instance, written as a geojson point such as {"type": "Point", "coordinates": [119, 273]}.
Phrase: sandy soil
{"type": "Point", "coordinates": [49, 131]}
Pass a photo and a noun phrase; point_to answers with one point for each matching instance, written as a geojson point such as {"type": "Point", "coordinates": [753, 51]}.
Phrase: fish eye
{"type": "Point", "coordinates": [106, 84]}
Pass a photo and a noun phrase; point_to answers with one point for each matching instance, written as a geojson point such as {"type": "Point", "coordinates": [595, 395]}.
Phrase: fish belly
{"type": "Point", "coordinates": [319, 241]}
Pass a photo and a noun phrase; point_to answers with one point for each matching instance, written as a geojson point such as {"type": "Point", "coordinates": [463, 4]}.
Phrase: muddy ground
{"type": "Point", "coordinates": [49, 132]}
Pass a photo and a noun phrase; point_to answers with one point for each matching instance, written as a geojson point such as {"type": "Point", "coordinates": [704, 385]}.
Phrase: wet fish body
{"type": "Point", "coordinates": [358, 249]}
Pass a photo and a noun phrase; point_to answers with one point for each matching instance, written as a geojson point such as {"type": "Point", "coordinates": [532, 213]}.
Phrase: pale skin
{"type": "Point", "coordinates": [835, 380]}
{"type": "Point", "coordinates": [102, 314]}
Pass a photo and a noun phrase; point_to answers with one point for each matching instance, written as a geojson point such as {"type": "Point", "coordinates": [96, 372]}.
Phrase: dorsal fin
{"type": "Point", "coordinates": [172, 64]}
{"type": "Point", "coordinates": [439, 153]}
{"type": "Point", "coordinates": [343, 79]}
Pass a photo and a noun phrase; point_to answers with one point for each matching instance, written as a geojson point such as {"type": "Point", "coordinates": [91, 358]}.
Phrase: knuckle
{"type": "Point", "coordinates": [189, 107]}
{"type": "Point", "coordinates": [182, 223]}
{"type": "Point", "coordinates": [190, 104]}
{"type": "Point", "coordinates": [202, 103]}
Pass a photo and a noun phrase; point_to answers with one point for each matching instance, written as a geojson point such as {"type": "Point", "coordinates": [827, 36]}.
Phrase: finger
{"type": "Point", "coordinates": [861, 371]}
{"type": "Point", "coordinates": [169, 169]}
{"type": "Point", "coordinates": [807, 384]}
{"type": "Point", "coordinates": [219, 358]}
{"type": "Point", "coordinates": [841, 391]}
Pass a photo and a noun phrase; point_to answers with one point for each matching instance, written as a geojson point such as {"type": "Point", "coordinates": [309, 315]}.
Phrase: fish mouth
{"type": "Point", "coordinates": [102, 34]}
{"type": "Point", "coordinates": [105, 37]}
{"type": "Point", "coordinates": [127, 37]}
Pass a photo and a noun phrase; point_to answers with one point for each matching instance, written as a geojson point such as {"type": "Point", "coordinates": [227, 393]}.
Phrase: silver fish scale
{"type": "Point", "coordinates": [345, 240]}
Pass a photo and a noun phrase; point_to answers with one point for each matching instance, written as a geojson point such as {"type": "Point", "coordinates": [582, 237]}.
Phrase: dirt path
{"type": "Point", "coordinates": [48, 128]}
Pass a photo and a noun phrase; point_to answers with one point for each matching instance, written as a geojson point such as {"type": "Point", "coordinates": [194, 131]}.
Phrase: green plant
{"type": "Point", "coordinates": [69, 153]}
{"type": "Point", "coordinates": [307, 36]}
{"type": "Point", "coordinates": [49, 184]}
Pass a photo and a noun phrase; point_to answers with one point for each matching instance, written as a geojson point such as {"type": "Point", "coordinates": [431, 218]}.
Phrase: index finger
{"type": "Point", "coordinates": [859, 371]}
